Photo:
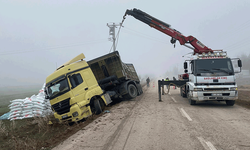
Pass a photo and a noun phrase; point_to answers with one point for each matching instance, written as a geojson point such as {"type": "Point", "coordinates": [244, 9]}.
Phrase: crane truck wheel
{"type": "Point", "coordinates": [191, 102]}
{"type": "Point", "coordinates": [230, 103]}
{"type": "Point", "coordinates": [181, 91]}
{"type": "Point", "coordinates": [132, 92]}
{"type": "Point", "coordinates": [183, 94]}
{"type": "Point", "coordinates": [97, 107]}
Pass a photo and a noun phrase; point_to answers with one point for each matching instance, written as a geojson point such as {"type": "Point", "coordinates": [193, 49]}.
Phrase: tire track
{"type": "Point", "coordinates": [112, 140]}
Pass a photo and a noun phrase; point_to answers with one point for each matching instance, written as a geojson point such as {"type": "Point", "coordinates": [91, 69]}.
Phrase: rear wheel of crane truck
{"type": "Point", "coordinates": [132, 92]}
{"type": "Point", "coordinates": [182, 89]}
{"type": "Point", "coordinates": [230, 102]}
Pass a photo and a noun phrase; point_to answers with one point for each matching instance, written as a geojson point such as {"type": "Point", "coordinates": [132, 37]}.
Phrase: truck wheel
{"type": "Point", "coordinates": [184, 95]}
{"type": "Point", "coordinates": [181, 91]}
{"type": "Point", "coordinates": [230, 103]}
{"type": "Point", "coordinates": [191, 102]}
{"type": "Point", "coordinates": [132, 92]}
{"type": "Point", "coordinates": [97, 107]}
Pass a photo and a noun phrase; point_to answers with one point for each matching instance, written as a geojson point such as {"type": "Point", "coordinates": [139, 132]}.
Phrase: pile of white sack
{"type": "Point", "coordinates": [35, 106]}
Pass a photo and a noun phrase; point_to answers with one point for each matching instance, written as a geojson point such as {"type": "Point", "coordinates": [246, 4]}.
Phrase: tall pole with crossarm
{"type": "Point", "coordinates": [112, 27]}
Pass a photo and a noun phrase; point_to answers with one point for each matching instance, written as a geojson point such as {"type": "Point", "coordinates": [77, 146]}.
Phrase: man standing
{"type": "Point", "coordinates": [167, 79]}
{"type": "Point", "coordinates": [148, 80]}
{"type": "Point", "coordinates": [174, 87]}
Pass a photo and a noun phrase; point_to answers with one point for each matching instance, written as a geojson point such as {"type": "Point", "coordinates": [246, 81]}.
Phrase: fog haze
{"type": "Point", "coordinates": [36, 37]}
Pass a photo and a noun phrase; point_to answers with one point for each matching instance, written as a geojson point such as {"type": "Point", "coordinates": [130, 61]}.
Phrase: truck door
{"type": "Point", "coordinates": [78, 85]}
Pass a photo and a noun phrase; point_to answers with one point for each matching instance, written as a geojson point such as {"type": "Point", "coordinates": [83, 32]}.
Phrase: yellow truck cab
{"type": "Point", "coordinates": [73, 91]}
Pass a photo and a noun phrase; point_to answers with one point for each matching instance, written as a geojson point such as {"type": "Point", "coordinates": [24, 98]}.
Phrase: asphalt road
{"type": "Point", "coordinates": [144, 123]}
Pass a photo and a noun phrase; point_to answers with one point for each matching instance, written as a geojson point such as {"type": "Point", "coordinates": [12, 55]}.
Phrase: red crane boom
{"type": "Point", "coordinates": [198, 47]}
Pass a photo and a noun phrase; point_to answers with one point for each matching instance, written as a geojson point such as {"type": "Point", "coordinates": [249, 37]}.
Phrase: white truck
{"type": "Point", "coordinates": [211, 76]}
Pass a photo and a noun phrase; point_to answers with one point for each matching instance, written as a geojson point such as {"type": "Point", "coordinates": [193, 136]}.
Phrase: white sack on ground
{"type": "Point", "coordinates": [35, 106]}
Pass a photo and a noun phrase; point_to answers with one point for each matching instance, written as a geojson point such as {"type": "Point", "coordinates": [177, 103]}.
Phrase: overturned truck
{"type": "Point", "coordinates": [78, 89]}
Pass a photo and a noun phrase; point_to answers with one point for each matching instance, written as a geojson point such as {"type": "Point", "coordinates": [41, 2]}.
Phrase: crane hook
{"type": "Point", "coordinates": [173, 41]}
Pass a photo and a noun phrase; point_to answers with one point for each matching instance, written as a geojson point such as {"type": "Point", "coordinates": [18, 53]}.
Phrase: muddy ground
{"type": "Point", "coordinates": [244, 96]}
{"type": "Point", "coordinates": [55, 134]}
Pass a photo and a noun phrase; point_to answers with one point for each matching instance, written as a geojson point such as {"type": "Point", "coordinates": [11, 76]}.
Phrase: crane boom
{"type": "Point", "coordinates": [198, 47]}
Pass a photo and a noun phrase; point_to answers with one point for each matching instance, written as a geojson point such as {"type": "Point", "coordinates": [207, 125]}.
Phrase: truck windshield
{"type": "Point", "coordinates": [218, 67]}
{"type": "Point", "coordinates": [57, 88]}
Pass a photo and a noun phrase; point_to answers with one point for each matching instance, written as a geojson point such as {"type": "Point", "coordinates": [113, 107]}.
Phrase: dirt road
{"type": "Point", "coordinates": [146, 124]}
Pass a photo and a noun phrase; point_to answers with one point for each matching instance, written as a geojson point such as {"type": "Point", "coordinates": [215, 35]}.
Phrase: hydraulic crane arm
{"type": "Point", "coordinates": [198, 47]}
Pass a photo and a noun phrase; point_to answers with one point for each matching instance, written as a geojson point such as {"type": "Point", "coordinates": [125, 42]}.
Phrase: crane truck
{"type": "Point", "coordinates": [210, 75]}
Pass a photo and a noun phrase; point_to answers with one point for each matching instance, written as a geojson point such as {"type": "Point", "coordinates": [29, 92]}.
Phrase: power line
{"type": "Point", "coordinates": [54, 47]}
{"type": "Point", "coordinates": [245, 41]}
{"type": "Point", "coordinates": [236, 29]}
{"type": "Point", "coordinates": [237, 47]}
{"type": "Point", "coordinates": [144, 36]}
{"type": "Point", "coordinates": [150, 36]}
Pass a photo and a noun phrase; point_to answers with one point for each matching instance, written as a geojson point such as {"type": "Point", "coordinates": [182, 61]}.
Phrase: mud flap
{"type": "Point", "coordinates": [107, 98]}
{"type": "Point", "coordinates": [139, 88]}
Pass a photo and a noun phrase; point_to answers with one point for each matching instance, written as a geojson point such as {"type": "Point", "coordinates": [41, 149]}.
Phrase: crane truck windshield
{"type": "Point", "coordinates": [216, 67]}
{"type": "Point", "coordinates": [57, 88]}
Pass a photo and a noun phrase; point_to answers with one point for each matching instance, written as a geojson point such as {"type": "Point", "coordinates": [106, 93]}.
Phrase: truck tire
{"type": "Point", "coordinates": [183, 95]}
{"type": "Point", "coordinates": [97, 107]}
{"type": "Point", "coordinates": [230, 103]}
{"type": "Point", "coordinates": [191, 102]}
{"type": "Point", "coordinates": [132, 92]}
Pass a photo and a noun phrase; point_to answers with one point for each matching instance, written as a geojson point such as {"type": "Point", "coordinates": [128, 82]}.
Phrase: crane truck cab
{"type": "Point", "coordinates": [73, 91]}
{"type": "Point", "coordinates": [211, 77]}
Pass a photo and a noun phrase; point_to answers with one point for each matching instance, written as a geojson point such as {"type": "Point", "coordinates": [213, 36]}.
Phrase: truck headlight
{"type": "Point", "coordinates": [75, 114]}
{"type": "Point", "coordinates": [233, 89]}
{"type": "Point", "coordinates": [198, 89]}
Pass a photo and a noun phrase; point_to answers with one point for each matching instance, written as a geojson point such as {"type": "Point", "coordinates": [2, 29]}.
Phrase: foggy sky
{"type": "Point", "coordinates": [38, 36]}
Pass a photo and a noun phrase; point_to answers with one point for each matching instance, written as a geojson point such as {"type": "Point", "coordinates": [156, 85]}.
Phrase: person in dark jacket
{"type": "Point", "coordinates": [148, 80]}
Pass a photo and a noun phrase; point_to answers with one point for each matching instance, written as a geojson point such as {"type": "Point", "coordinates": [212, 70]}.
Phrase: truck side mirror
{"type": "Point", "coordinates": [239, 63]}
{"type": "Point", "coordinates": [185, 65]}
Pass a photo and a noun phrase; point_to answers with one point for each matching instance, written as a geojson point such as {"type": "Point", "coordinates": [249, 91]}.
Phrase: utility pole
{"type": "Point", "coordinates": [112, 32]}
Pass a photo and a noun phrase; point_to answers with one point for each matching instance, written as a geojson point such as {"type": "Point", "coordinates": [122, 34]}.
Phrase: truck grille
{"type": "Point", "coordinates": [62, 107]}
{"type": "Point", "coordinates": [233, 83]}
{"type": "Point", "coordinates": [216, 89]}
{"type": "Point", "coordinates": [210, 94]}
{"type": "Point", "coordinates": [219, 98]}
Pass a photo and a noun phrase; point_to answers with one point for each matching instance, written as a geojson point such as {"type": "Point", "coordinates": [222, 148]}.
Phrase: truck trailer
{"type": "Point", "coordinates": [118, 79]}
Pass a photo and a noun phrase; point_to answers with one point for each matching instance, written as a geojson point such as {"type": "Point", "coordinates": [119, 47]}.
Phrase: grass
{"type": "Point", "coordinates": [36, 133]}
{"type": "Point", "coordinates": [244, 99]}
{"type": "Point", "coordinates": [19, 92]}
{"type": "Point", "coordinates": [25, 134]}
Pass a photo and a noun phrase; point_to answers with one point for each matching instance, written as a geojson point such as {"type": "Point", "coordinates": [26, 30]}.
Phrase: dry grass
{"type": "Point", "coordinates": [42, 123]}
{"type": "Point", "coordinates": [24, 134]}
{"type": "Point", "coordinates": [3, 130]}
{"type": "Point", "coordinates": [37, 133]}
